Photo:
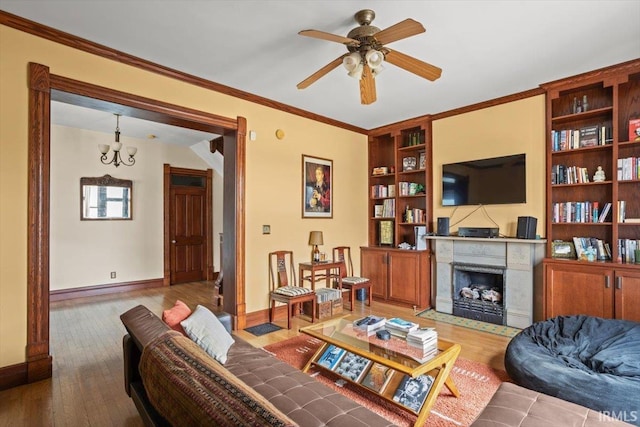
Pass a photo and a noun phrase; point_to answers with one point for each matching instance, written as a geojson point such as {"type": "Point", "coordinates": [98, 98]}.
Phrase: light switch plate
{"type": "Point", "coordinates": [266, 229]}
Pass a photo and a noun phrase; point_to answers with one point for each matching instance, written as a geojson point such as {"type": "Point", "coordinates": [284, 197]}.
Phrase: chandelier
{"type": "Point", "coordinates": [117, 146]}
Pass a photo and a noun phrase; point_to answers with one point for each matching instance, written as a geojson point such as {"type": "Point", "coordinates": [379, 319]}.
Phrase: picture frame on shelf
{"type": "Point", "coordinates": [561, 249]}
{"type": "Point", "coordinates": [408, 163]}
{"type": "Point", "coordinates": [422, 160]}
{"type": "Point", "coordinates": [634, 130]}
{"type": "Point", "coordinates": [317, 187]}
{"type": "Point", "coordinates": [386, 233]}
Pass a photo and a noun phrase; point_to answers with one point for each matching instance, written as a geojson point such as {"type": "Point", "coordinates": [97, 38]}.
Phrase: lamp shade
{"type": "Point", "coordinates": [315, 238]}
{"type": "Point", "coordinates": [104, 148]}
{"type": "Point", "coordinates": [374, 58]}
{"type": "Point", "coordinates": [352, 61]}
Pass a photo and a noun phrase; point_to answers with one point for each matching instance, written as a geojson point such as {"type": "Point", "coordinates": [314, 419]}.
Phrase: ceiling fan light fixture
{"type": "Point", "coordinates": [377, 70]}
{"type": "Point", "coordinates": [357, 73]}
{"type": "Point", "coordinates": [352, 61]}
{"type": "Point", "coordinates": [374, 58]}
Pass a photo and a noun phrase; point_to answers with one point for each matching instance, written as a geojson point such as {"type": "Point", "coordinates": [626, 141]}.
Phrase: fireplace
{"type": "Point", "coordinates": [479, 292]}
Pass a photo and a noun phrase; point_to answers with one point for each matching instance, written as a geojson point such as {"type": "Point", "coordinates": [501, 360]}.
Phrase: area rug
{"type": "Point", "coordinates": [505, 331]}
{"type": "Point", "coordinates": [263, 329]}
{"type": "Point", "coordinates": [475, 381]}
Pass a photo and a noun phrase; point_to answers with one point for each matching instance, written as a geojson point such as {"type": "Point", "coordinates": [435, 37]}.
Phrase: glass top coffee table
{"type": "Point", "coordinates": [390, 368]}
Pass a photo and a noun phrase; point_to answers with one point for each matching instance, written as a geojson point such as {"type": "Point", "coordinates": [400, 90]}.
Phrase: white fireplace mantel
{"type": "Point", "coordinates": [521, 258]}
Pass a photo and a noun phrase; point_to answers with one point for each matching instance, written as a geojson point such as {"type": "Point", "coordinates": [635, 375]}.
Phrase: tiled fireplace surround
{"type": "Point", "coordinates": [521, 259]}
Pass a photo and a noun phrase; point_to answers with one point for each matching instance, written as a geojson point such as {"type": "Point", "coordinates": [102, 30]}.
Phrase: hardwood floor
{"type": "Point", "coordinates": [87, 388]}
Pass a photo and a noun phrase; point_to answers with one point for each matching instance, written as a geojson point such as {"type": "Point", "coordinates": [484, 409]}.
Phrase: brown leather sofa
{"type": "Point", "coordinates": [513, 405]}
{"type": "Point", "coordinates": [300, 397]}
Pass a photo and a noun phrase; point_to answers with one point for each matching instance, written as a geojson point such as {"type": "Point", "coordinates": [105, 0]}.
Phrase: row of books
{"type": "Point", "coordinates": [628, 168]}
{"type": "Point", "coordinates": [561, 174]}
{"type": "Point", "coordinates": [627, 250]}
{"type": "Point", "coordinates": [379, 191]}
{"type": "Point", "coordinates": [408, 188]}
{"type": "Point", "coordinates": [327, 294]}
{"type": "Point", "coordinates": [588, 136]}
{"type": "Point", "coordinates": [414, 215]}
{"type": "Point", "coordinates": [581, 212]}
{"type": "Point", "coordinates": [386, 210]}
{"type": "Point", "coordinates": [410, 392]}
{"type": "Point", "coordinates": [591, 249]}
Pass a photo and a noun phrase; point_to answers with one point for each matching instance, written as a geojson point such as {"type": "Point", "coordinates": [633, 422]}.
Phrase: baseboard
{"type": "Point", "coordinates": [13, 376]}
{"type": "Point", "coordinates": [262, 316]}
{"type": "Point", "coordinates": [88, 291]}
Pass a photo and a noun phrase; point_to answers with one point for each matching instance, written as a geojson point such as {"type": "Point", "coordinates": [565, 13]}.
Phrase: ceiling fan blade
{"type": "Point", "coordinates": [316, 34]}
{"type": "Point", "coordinates": [412, 65]}
{"type": "Point", "coordinates": [399, 31]}
{"type": "Point", "coordinates": [367, 87]}
{"type": "Point", "coordinates": [320, 73]}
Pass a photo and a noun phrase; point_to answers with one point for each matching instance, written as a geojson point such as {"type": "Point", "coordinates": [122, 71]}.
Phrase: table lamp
{"type": "Point", "coordinates": [315, 239]}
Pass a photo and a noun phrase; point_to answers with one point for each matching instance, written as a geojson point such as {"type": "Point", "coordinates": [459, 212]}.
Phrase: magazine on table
{"type": "Point", "coordinates": [378, 377]}
{"type": "Point", "coordinates": [369, 323]}
{"type": "Point", "coordinates": [412, 392]}
{"type": "Point", "coordinates": [331, 357]}
{"type": "Point", "coordinates": [401, 324]}
{"type": "Point", "coordinates": [352, 366]}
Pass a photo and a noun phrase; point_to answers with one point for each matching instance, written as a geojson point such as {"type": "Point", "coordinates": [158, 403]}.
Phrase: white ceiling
{"type": "Point", "coordinates": [487, 49]}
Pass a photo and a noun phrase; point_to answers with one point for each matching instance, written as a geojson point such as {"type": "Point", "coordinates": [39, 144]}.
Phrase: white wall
{"type": "Point", "coordinates": [83, 253]}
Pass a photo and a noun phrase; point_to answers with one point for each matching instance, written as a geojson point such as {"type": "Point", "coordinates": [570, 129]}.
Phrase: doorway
{"type": "Point", "coordinates": [188, 220]}
{"type": "Point", "coordinates": [43, 87]}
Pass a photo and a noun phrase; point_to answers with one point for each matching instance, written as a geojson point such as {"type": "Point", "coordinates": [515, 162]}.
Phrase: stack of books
{"type": "Point", "coordinates": [400, 327]}
{"type": "Point", "coordinates": [425, 339]}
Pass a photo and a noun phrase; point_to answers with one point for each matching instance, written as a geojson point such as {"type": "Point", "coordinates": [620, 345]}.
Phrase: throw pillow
{"type": "Point", "coordinates": [204, 328]}
{"type": "Point", "coordinates": [175, 315]}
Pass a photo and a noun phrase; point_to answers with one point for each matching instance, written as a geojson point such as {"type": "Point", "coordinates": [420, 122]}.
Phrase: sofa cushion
{"type": "Point", "coordinates": [175, 315]}
{"type": "Point", "coordinates": [188, 388]}
{"type": "Point", "coordinates": [204, 328]}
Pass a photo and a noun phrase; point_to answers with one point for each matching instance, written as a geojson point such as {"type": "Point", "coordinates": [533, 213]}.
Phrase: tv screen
{"type": "Point", "coordinates": [493, 181]}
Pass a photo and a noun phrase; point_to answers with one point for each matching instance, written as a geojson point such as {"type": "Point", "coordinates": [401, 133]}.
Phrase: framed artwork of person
{"type": "Point", "coordinates": [317, 187]}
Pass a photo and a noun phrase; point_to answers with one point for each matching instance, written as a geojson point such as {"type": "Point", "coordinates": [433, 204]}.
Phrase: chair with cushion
{"type": "Point", "coordinates": [281, 269]}
{"type": "Point", "coordinates": [349, 281]}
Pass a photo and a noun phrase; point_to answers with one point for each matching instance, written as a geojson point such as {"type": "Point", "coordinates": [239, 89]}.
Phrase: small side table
{"type": "Point", "coordinates": [327, 267]}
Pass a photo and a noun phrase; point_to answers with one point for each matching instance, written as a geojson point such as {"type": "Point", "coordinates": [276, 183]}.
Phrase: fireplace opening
{"type": "Point", "coordinates": [478, 293]}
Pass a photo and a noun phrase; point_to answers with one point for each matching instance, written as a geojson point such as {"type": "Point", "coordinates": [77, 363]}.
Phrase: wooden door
{"type": "Point", "coordinates": [574, 289]}
{"type": "Point", "coordinates": [628, 295]}
{"type": "Point", "coordinates": [188, 234]}
{"type": "Point", "coordinates": [373, 265]}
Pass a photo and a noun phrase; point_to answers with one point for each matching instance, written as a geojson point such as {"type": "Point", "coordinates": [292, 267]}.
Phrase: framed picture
{"type": "Point", "coordinates": [317, 187]}
{"type": "Point", "coordinates": [563, 250]}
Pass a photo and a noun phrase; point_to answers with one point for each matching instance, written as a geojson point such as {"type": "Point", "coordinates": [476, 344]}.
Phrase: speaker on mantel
{"type": "Point", "coordinates": [527, 227]}
{"type": "Point", "coordinates": [443, 226]}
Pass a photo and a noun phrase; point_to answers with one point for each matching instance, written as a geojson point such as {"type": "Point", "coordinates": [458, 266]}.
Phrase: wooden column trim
{"type": "Point", "coordinates": [166, 201]}
{"type": "Point", "coordinates": [209, 223]}
{"type": "Point", "coordinates": [39, 361]}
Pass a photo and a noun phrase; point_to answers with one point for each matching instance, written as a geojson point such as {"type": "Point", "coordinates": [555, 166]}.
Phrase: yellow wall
{"type": "Point", "coordinates": [513, 128]}
{"type": "Point", "coordinates": [273, 182]}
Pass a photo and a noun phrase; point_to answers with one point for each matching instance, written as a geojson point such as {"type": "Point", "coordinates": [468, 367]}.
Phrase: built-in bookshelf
{"type": "Point", "coordinates": [592, 192]}
{"type": "Point", "coordinates": [400, 183]}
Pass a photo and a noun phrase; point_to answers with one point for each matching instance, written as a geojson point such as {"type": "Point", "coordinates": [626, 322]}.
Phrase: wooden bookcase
{"type": "Point", "coordinates": [408, 188]}
{"type": "Point", "coordinates": [613, 97]}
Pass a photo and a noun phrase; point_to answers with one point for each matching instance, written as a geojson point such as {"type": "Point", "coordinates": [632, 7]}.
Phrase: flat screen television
{"type": "Point", "coordinates": [491, 181]}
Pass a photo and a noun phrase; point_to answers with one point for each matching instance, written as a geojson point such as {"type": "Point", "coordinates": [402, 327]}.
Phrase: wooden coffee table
{"type": "Point", "coordinates": [395, 354]}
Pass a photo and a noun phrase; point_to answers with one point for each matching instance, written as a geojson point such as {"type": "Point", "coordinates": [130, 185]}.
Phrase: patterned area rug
{"type": "Point", "coordinates": [505, 331]}
{"type": "Point", "coordinates": [475, 381]}
{"type": "Point", "coordinates": [263, 329]}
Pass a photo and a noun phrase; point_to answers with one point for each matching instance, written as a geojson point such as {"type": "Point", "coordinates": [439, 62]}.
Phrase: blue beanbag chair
{"type": "Point", "coordinates": [590, 361]}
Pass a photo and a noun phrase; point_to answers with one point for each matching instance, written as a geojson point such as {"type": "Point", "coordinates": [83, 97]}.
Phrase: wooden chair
{"type": "Point", "coordinates": [349, 281]}
{"type": "Point", "coordinates": [281, 269]}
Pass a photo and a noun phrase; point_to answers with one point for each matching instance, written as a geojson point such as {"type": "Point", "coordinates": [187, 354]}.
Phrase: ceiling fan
{"type": "Point", "coordinates": [367, 51]}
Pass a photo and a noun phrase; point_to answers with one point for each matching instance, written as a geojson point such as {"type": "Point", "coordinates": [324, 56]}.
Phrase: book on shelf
{"type": "Point", "coordinates": [412, 392]}
{"type": "Point", "coordinates": [628, 220]}
{"type": "Point", "coordinates": [377, 377]}
{"type": "Point", "coordinates": [369, 323]}
{"type": "Point", "coordinates": [331, 357]}
{"type": "Point", "coordinates": [634, 130]}
{"type": "Point", "coordinates": [605, 212]}
{"type": "Point", "coordinates": [589, 136]}
{"type": "Point", "coordinates": [377, 211]}
{"type": "Point", "coordinates": [622, 207]}
{"type": "Point", "coordinates": [391, 190]}
{"type": "Point", "coordinates": [591, 249]}
{"type": "Point", "coordinates": [422, 160]}
{"type": "Point", "coordinates": [352, 366]}
{"type": "Point", "coordinates": [628, 168]}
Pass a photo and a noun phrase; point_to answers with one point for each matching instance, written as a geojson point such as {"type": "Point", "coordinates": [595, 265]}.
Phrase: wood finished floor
{"type": "Point", "coordinates": [87, 387]}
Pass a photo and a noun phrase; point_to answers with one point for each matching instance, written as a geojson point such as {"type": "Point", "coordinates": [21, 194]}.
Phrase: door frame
{"type": "Point", "coordinates": [168, 170]}
{"type": "Point", "coordinates": [42, 88]}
